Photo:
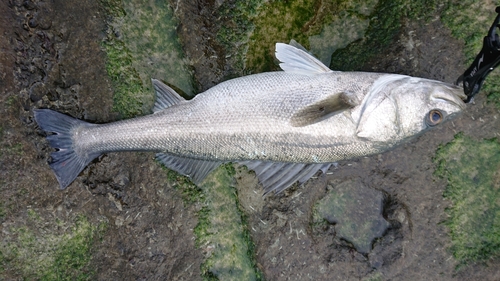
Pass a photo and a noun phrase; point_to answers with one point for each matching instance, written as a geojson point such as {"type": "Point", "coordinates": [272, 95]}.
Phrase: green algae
{"type": "Point", "coordinates": [337, 35]}
{"type": "Point", "coordinates": [249, 30]}
{"type": "Point", "coordinates": [472, 170]}
{"type": "Point", "coordinates": [141, 43]}
{"type": "Point", "coordinates": [281, 21]}
{"type": "Point", "coordinates": [129, 93]}
{"type": "Point", "coordinates": [322, 26]}
{"type": "Point", "coordinates": [190, 192]}
{"type": "Point", "coordinates": [221, 231]}
{"type": "Point", "coordinates": [375, 276]}
{"type": "Point", "coordinates": [43, 255]}
{"type": "Point", "coordinates": [238, 24]}
{"type": "Point", "coordinates": [149, 32]}
{"type": "Point", "coordinates": [356, 211]}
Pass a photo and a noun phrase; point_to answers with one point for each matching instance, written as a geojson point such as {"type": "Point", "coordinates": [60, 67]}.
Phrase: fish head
{"type": "Point", "coordinates": [402, 107]}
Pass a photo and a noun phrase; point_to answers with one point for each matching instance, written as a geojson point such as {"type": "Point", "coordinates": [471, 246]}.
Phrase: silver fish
{"type": "Point", "coordinates": [284, 125]}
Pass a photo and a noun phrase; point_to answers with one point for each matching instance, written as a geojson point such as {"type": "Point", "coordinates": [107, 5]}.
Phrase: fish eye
{"type": "Point", "coordinates": [434, 117]}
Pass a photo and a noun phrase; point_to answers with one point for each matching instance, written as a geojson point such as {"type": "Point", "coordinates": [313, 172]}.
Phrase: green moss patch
{"type": "Point", "coordinates": [238, 24]}
{"type": "Point", "coordinates": [141, 43]}
{"type": "Point", "coordinates": [190, 192]}
{"type": "Point", "coordinates": [128, 98]}
{"type": "Point", "coordinates": [280, 21]}
{"type": "Point", "coordinates": [32, 254]}
{"type": "Point", "coordinates": [250, 29]}
{"type": "Point", "coordinates": [473, 172]}
{"type": "Point", "coordinates": [221, 232]}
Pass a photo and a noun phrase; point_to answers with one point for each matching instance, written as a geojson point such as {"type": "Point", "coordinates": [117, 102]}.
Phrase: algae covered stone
{"type": "Point", "coordinates": [356, 211]}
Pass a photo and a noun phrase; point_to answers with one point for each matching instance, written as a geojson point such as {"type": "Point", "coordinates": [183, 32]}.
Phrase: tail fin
{"type": "Point", "coordinates": [66, 163]}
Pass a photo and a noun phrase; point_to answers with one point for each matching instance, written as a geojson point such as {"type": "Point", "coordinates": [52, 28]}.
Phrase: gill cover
{"type": "Point", "coordinates": [378, 119]}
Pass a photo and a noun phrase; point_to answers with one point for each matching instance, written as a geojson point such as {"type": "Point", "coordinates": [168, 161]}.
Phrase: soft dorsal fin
{"type": "Point", "coordinates": [276, 176]}
{"type": "Point", "coordinates": [298, 61]}
{"type": "Point", "coordinates": [196, 169]}
{"type": "Point", "coordinates": [165, 96]}
{"type": "Point", "coordinates": [323, 109]}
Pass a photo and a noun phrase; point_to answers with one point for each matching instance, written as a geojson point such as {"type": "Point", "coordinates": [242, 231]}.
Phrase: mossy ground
{"type": "Point", "coordinates": [221, 231]}
{"type": "Point", "coordinates": [473, 172]}
{"type": "Point", "coordinates": [190, 192]}
{"type": "Point", "coordinates": [251, 28]}
{"type": "Point", "coordinates": [239, 17]}
{"type": "Point", "coordinates": [128, 98]}
{"type": "Point", "coordinates": [45, 255]}
{"type": "Point", "coordinates": [281, 21]}
{"type": "Point", "coordinates": [141, 43]}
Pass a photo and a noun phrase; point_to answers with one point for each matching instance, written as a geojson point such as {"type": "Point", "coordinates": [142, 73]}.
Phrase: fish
{"type": "Point", "coordinates": [284, 125]}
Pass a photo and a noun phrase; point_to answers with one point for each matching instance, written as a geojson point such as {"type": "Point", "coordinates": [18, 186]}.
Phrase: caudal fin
{"type": "Point", "coordinates": [66, 163]}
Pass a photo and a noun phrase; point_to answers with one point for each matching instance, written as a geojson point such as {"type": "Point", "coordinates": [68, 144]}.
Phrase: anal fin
{"type": "Point", "coordinates": [277, 176]}
{"type": "Point", "coordinates": [196, 169]}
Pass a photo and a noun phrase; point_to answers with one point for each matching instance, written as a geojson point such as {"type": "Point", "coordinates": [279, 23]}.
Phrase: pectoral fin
{"type": "Point", "coordinates": [323, 109]}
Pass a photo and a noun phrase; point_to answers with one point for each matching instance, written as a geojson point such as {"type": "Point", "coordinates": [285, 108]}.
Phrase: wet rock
{"type": "Point", "coordinates": [32, 23]}
{"type": "Point", "coordinates": [37, 91]}
{"type": "Point", "coordinates": [29, 5]}
{"type": "Point", "coordinates": [43, 18]}
{"type": "Point", "coordinates": [357, 212]}
{"type": "Point", "coordinates": [121, 180]}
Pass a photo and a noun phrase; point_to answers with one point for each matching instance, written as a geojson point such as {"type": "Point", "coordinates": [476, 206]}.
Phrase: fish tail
{"type": "Point", "coordinates": [66, 163]}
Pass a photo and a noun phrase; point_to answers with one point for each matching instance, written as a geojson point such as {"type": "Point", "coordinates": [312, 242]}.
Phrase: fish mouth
{"type": "Point", "coordinates": [453, 94]}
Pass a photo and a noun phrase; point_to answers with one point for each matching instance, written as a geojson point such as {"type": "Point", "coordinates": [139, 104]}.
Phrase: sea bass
{"type": "Point", "coordinates": [285, 125]}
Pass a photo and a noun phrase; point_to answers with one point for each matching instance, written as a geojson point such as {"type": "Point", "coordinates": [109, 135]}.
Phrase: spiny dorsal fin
{"type": "Point", "coordinates": [296, 60]}
{"type": "Point", "coordinates": [165, 96]}
{"type": "Point", "coordinates": [297, 45]}
{"type": "Point", "coordinates": [323, 109]}
{"type": "Point", "coordinates": [276, 177]}
{"type": "Point", "coordinates": [196, 169]}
